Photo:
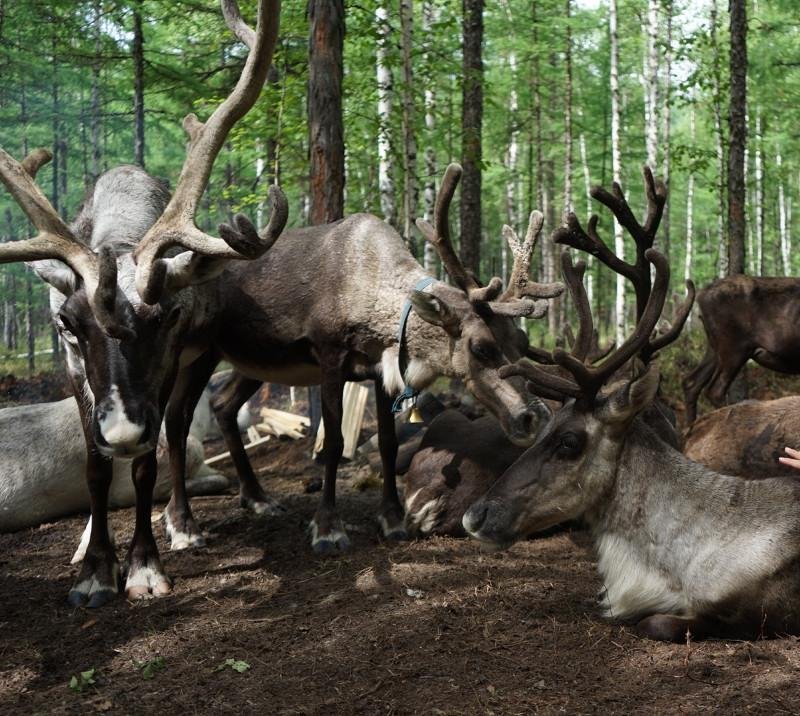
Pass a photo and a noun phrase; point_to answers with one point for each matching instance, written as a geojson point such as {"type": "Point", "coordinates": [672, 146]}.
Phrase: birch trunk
{"type": "Point", "coordinates": [666, 124]}
{"type": "Point", "coordinates": [587, 185]}
{"type": "Point", "coordinates": [385, 90]}
{"type": "Point", "coordinates": [616, 169]}
{"type": "Point", "coordinates": [138, 85]}
{"type": "Point", "coordinates": [511, 162]}
{"type": "Point", "coordinates": [687, 267]}
{"type": "Point", "coordinates": [568, 110]}
{"type": "Point", "coordinates": [782, 223]}
{"type": "Point", "coordinates": [759, 200]}
{"type": "Point", "coordinates": [430, 15]}
{"type": "Point", "coordinates": [411, 186]}
{"type": "Point", "coordinates": [95, 97]}
{"type": "Point", "coordinates": [651, 84]}
{"type": "Point", "coordinates": [723, 262]}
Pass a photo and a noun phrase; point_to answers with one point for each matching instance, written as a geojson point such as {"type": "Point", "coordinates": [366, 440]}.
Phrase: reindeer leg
{"type": "Point", "coordinates": [694, 383]}
{"type": "Point", "coordinates": [230, 398]}
{"type": "Point", "coordinates": [729, 364]}
{"type": "Point", "coordinates": [391, 516]}
{"type": "Point", "coordinates": [668, 627]}
{"type": "Point", "coordinates": [146, 576]}
{"type": "Point", "coordinates": [179, 522]}
{"type": "Point", "coordinates": [98, 578]}
{"type": "Point", "coordinates": [327, 531]}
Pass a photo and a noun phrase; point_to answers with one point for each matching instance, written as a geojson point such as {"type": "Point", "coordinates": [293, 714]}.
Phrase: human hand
{"type": "Point", "coordinates": [793, 460]}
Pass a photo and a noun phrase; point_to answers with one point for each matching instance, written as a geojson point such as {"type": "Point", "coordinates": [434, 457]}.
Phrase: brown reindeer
{"type": "Point", "coordinates": [351, 319]}
{"type": "Point", "coordinates": [746, 439]}
{"type": "Point", "coordinates": [680, 547]}
{"type": "Point", "coordinates": [130, 316]}
{"type": "Point", "coordinates": [744, 317]}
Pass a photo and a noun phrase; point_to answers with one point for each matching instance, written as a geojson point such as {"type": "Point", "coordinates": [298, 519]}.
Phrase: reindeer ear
{"type": "Point", "coordinates": [627, 401]}
{"type": "Point", "coordinates": [435, 311]}
{"type": "Point", "coordinates": [60, 276]}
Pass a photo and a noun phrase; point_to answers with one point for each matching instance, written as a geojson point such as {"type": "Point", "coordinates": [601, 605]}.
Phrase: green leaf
{"type": "Point", "coordinates": [149, 668]}
{"type": "Point", "coordinates": [235, 664]}
{"type": "Point", "coordinates": [82, 680]}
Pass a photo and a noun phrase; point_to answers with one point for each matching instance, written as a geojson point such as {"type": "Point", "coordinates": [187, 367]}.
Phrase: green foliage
{"type": "Point", "coordinates": [234, 664]}
{"type": "Point", "coordinates": [83, 680]}
{"type": "Point", "coordinates": [151, 667]}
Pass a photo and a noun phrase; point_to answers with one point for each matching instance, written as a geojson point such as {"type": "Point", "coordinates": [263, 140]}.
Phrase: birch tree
{"type": "Point", "coordinates": [723, 262]}
{"type": "Point", "coordinates": [385, 92]}
{"type": "Point", "coordinates": [650, 81]}
{"type": "Point", "coordinates": [430, 15]}
{"type": "Point", "coordinates": [737, 135]}
{"type": "Point", "coordinates": [411, 187]}
{"type": "Point", "coordinates": [786, 247]}
{"type": "Point", "coordinates": [616, 169]}
{"type": "Point", "coordinates": [758, 209]}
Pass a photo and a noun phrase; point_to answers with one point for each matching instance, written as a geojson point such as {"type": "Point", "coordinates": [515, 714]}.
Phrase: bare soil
{"type": "Point", "coordinates": [434, 626]}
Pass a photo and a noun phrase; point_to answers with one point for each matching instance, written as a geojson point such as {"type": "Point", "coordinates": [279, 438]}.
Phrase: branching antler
{"type": "Point", "coordinates": [586, 380]}
{"type": "Point", "coordinates": [519, 299]}
{"type": "Point", "coordinates": [176, 226]}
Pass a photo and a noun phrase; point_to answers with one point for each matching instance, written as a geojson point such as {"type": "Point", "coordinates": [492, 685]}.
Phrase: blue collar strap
{"type": "Point", "coordinates": [402, 356]}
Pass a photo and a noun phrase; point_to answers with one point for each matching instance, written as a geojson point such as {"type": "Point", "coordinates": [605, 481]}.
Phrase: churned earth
{"type": "Point", "coordinates": [258, 624]}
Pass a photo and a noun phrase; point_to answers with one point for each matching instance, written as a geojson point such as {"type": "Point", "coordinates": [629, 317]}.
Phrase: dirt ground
{"type": "Point", "coordinates": [433, 627]}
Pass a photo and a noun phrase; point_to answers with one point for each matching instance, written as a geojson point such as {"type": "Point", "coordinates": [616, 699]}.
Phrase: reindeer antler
{"type": "Point", "coordinates": [587, 380]}
{"type": "Point", "coordinates": [55, 239]}
{"type": "Point", "coordinates": [176, 226]}
{"type": "Point", "coordinates": [519, 283]}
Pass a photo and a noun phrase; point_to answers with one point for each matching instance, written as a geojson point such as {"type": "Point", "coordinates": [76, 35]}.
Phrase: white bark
{"type": "Point", "coordinates": [511, 162]}
{"type": "Point", "coordinates": [687, 268]}
{"type": "Point", "coordinates": [411, 188]}
{"type": "Point", "coordinates": [651, 84]}
{"type": "Point", "coordinates": [385, 90]}
{"type": "Point", "coordinates": [782, 224]}
{"type": "Point", "coordinates": [568, 114]}
{"type": "Point", "coordinates": [587, 185]}
{"type": "Point", "coordinates": [616, 168]}
{"type": "Point", "coordinates": [722, 267]}
{"type": "Point", "coordinates": [430, 15]}
{"type": "Point", "coordinates": [759, 198]}
{"type": "Point", "coordinates": [259, 174]}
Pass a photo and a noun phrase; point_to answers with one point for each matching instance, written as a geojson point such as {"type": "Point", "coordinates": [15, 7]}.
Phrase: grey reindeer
{"type": "Point", "coordinates": [680, 547]}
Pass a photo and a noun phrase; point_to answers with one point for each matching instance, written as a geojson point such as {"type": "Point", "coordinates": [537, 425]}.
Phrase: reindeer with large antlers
{"type": "Point", "coordinates": [131, 317]}
{"type": "Point", "coordinates": [352, 319]}
{"type": "Point", "coordinates": [680, 547]}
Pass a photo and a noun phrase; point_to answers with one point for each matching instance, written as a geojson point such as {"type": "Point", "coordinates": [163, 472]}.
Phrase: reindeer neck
{"type": "Point", "coordinates": [673, 534]}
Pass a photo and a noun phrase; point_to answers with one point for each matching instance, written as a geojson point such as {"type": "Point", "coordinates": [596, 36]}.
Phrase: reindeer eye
{"type": "Point", "coordinates": [569, 445]}
{"type": "Point", "coordinates": [486, 352]}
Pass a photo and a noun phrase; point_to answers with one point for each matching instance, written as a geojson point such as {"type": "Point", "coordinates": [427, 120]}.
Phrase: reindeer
{"type": "Point", "coordinates": [744, 317]}
{"type": "Point", "coordinates": [38, 486]}
{"type": "Point", "coordinates": [456, 466]}
{"type": "Point", "coordinates": [134, 320]}
{"type": "Point", "coordinates": [370, 311]}
{"type": "Point", "coordinates": [680, 548]}
{"type": "Point", "coordinates": [746, 439]}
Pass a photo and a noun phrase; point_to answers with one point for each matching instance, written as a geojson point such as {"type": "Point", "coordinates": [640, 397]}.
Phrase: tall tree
{"type": "Point", "coordinates": [385, 91]}
{"type": "Point", "coordinates": [430, 15]}
{"type": "Point", "coordinates": [411, 186]}
{"type": "Point", "coordinates": [716, 78]}
{"type": "Point", "coordinates": [568, 108]}
{"type": "Point", "coordinates": [650, 82]}
{"type": "Point", "coordinates": [616, 167]}
{"type": "Point", "coordinates": [737, 135]}
{"type": "Point", "coordinates": [325, 124]}
{"type": "Point", "coordinates": [471, 126]}
{"type": "Point", "coordinates": [137, 50]}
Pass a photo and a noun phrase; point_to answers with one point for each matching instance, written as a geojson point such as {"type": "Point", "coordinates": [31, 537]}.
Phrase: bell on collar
{"type": "Point", "coordinates": [415, 416]}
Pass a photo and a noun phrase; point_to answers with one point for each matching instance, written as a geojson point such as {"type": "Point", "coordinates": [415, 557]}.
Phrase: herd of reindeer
{"type": "Point", "coordinates": [147, 305]}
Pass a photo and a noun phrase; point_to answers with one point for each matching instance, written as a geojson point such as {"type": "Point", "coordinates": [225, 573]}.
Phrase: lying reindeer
{"type": "Point", "coordinates": [680, 547]}
{"type": "Point", "coordinates": [41, 485]}
{"type": "Point", "coordinates": [746, 439]}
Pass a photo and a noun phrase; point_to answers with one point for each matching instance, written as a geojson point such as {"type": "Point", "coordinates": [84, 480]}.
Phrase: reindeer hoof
{"type": "Point", "coordinates": [393, 526]}
{"type": "Point", "coordinates": [94, 589]}
{"type": "Point", "coordinates": [147, 582]}
{"type": "Point", "coordinates": [332, 542]}
{"type": "Point", "coordinates": [184, 537]}
{"type": "Point", "coordinates": [266, 506]}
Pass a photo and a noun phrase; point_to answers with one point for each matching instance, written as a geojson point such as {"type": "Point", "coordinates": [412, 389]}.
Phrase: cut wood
{"type": "Point", "coordinates": [354, 402]}
{"type": "Point", "coordinates": [223, 455]}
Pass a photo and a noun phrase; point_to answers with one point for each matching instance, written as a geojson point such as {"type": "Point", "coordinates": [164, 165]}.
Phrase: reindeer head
{"type": "Point", "coordinates": [480, 320]}
{"type": "Point", "coordinates": [574, 462]}
{"type": "Point", "coordinates": [124, 317]}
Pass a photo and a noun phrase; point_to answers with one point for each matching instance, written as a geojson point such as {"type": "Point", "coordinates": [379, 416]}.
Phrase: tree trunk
{"type": "Point", "coordinates": [568, 109]}
{"type": "Point", "coordinates": [95, 108]}
{"type": "Point", "coordinates": [29, 328]}
{"type": "Point", "coordinates": [587, 187]}
{"type": "Point", "coordinates": [471, 125]}
{"type": "Point", "coordinates": [723, 262]}
{"type": "Point", "coordinates": [411, 185]}
{"type": "Point", "coordinates": [666, 124]}
{"type": "Point", "coordinates": [326, 131]}
{"type": "Point", "coordinates": [511, 162]}
{"type": "Point", "coordinates": [430, 15]}
{"type": "Point", "coordinates": [138, 85]}
{"type": "Point", "coordinates": [759, 198]}
{"type": "Point", "coordinates": [737, 135]}
{"type": "Point", "coordinates": [651, 84]}
{"type": "Point", "coordinates": [616, 169]}
{"type": "Point", "coordinates": [687, 267]}
{"type": "Point", "coordinates": [786, 247]}
{"type": "Point", "coordinates": [385, 91]}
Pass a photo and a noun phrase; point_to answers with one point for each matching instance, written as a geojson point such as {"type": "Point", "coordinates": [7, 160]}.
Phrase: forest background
{"type": "Point", "coordinates": [105, 82]}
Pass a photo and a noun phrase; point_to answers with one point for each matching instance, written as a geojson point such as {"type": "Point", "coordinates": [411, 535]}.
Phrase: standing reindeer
{"type": "Point", "coordinates": [680, 547]}
{"type": "Point", "coordinates": [132, 319]}
{"type": "Point", "coordinates": [351, 318]}
{"type": "Point", "coordinates": [744, 317]}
